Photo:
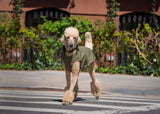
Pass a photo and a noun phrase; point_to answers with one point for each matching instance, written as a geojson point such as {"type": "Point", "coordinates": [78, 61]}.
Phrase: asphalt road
{"type": "Point", "coordinates": [121, 94]}
{"type": "Point", "coordinates": [123, 84]}
{"type": "Point", "coordinates": [50, 102]}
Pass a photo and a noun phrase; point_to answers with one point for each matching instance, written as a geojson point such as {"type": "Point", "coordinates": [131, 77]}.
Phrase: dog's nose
{"type": "Point", "coordinates": [71, 45]}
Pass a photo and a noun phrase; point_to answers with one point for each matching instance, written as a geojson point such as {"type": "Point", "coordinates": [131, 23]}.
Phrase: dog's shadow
{"type": "Point", "coordinates": [77, 100]}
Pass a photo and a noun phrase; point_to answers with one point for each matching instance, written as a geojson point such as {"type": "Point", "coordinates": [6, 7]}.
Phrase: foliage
{"type": "Point", "coordinates": [17, 11]}
{"type": "Point", "coordinates": [8, 35]}
{"type": "Point", "coordinates": [57, 65]}
{"type": "Point", "coordinates": [146, 41]}
{"type": "Point", "coordinates": [41, 41]}
{"type": "Point", "coordinates": [44, 40]}
{"type": "Point", "coordinates": [41, 48]}
{"type": "Point", "coordinates": [112, 9]}
{"type": "Point", "coordinates": [83, 24]}
{"type": "Point", "coordinates": [104, 37]}
{"type": "Point", "coordinates": [9, 29]}
{"type": "Point", "coordinates": [104, 33]}
{"type": "Point", "coordinates": [7, 66]}
{"type": "Point", "coordinates": [44, 47]}
{"type": "Point", "coordinates": [7, 26]}
{"type": "Point", "coordinates": [155, 20]}
{"type": "Point", "coordinates": [17, 7]}
{"type": "Point", "coordinates": [130, 69]}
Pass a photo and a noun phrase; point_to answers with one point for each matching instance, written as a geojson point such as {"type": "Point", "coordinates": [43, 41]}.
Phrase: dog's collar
{"type": "Point", "coordinates": [71, 51]}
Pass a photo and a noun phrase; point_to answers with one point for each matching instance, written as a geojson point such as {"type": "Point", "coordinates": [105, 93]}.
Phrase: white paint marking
{"type": "Point", "coordinates": [139, 108]}
{"type": "Point", "coordinates": [34, 109]}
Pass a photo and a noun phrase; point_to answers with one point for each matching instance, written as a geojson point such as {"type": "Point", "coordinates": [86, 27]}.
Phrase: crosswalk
{"type": "Point", "coordinates": [50, 102]}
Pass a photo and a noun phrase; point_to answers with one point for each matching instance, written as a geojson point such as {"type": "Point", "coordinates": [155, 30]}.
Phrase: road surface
{"type": "Point", "coordinates": [50, 102]}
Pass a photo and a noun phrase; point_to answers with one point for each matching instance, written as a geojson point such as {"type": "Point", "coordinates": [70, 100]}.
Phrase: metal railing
{"type": "Point", "coordinates": [30, 50]}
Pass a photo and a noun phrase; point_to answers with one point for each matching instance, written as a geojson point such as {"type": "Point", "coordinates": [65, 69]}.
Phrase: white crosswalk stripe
{"type": "Point", "coordinates": [41, 102]}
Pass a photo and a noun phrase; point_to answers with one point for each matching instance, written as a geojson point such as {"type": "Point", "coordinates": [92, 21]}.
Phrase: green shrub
{"type": "Point", "coordinates": [45, 40]}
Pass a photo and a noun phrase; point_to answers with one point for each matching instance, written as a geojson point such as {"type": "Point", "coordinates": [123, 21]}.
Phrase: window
{"type": "Point", "coordinates": [130, 21]}
{"type": "Point", "coordinates": [33, 18]}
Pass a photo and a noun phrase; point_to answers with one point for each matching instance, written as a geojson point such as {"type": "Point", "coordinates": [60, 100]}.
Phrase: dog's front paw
{"type": "Point", "coordinates": [68, 98]}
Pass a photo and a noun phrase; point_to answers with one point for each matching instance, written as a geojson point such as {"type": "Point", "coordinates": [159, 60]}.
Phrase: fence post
{"type": "Point", "coordinates": [121, 55]}
{"type": "Point", "coordinates": [127, 55]}
{"type": "Point", "coordinates": [138, 59]}
{"type": "Point", "coordinates": [11, 53]}
{"type": "Point", "coordinates": [99, 61]}
{"type": "Point", "coordinates": [16, 54]}
{"type": "Point", "coordinates": [1, 47]}
{"type": "Point", "coordinates": [22, 51]}
{"type": "Point", "coordinates": [33, 66]}
{"type": "Point", "coordinates": [4, 55]}
{"type": "Point", "coordinates": [27, 50]}
{"type": "Point", "coordinates": [56, 51]}
{"type": "Point", "coordinates": [117, 42]}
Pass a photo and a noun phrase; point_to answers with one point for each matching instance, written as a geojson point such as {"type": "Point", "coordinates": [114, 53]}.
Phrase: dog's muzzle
{"type": "Point", "coordinates": [71, 45]}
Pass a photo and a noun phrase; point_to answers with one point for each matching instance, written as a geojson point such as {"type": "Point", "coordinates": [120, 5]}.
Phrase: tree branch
{"type": "Point", "coordinates": [141, 53]}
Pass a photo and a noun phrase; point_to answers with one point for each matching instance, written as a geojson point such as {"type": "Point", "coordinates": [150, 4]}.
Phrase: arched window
{"type": "Point", "coordinates": [131, 20]}
{"type": "Point", "coordinates": [33, 18]}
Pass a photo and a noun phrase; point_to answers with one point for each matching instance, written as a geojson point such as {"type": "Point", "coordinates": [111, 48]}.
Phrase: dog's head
{"type": "Point", "coordinates": [71, 38]}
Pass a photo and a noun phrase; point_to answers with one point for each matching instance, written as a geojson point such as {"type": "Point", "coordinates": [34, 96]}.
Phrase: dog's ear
{"type": "Point", "coordinates": [79, 40]}
{"type": "Point", "coordinates": [62, 39]}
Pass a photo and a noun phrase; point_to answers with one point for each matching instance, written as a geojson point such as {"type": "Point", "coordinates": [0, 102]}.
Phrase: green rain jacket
{"type": "Point", "coordinates": [84, 55]}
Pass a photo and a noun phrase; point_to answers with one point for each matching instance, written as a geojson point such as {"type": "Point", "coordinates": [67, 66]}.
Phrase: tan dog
{"type": "Point", "coordinates": [74, 58]}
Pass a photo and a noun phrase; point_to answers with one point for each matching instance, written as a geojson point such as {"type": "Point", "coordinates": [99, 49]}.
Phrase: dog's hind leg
{"type": "Point", "coordinates": [95, 84]}
{"type": "Point", "coordinates": [69, 95]}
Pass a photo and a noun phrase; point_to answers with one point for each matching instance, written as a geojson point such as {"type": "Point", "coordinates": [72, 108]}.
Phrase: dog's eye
{"type": "Point", "coordinates": [67, 37]}
{"type": "Point", "coordinates": [74, 38]}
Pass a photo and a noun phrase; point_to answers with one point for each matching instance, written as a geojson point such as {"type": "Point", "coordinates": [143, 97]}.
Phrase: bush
{"type": "Point", "coordinates": [44, 41]}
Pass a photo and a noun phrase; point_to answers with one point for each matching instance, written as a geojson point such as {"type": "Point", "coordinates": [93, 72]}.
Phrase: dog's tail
{"type": "Point", "coordinates": [88, 40]}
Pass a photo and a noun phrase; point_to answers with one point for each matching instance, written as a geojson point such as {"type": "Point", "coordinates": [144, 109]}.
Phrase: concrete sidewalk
{"type": "Point", "coordinates": [123, 84]}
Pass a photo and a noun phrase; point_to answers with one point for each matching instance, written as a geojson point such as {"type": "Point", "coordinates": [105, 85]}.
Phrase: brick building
{"type": "Point", "coordinates": [131, 11]}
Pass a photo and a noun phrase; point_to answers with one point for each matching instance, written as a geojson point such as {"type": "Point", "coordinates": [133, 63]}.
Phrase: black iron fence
{"type": "Point", "coordinates": [35, 49]}
{"type": "Point", "coordinates": [45, 49]}
{"type": "Point", "coordinates": [29, 50]}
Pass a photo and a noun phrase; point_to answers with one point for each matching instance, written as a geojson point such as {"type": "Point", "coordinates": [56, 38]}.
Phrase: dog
{"type": "Point", "coordinates": [74, 58]}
